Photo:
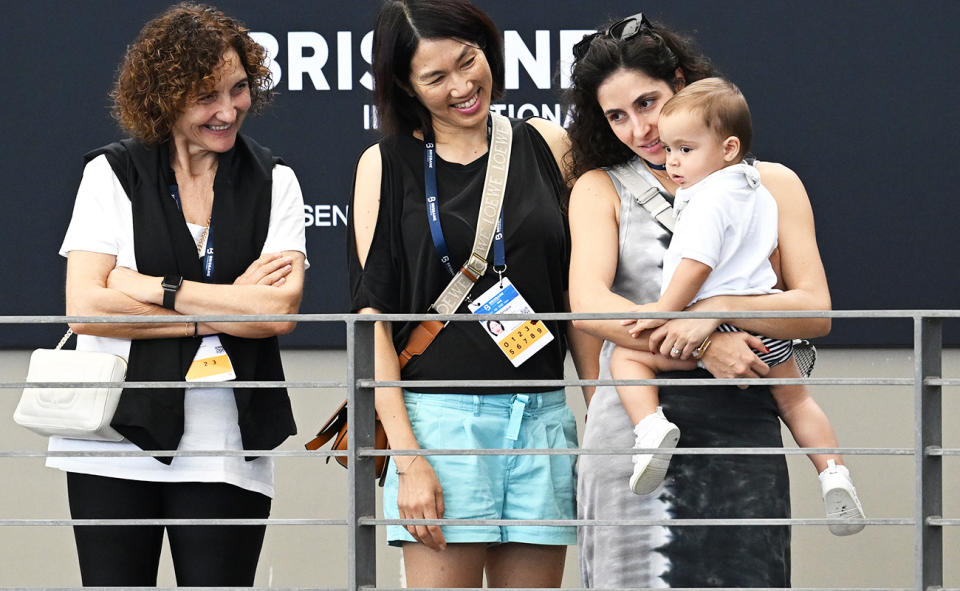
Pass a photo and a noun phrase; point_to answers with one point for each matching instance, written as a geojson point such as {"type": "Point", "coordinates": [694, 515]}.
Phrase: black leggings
{"type": "Point", "coordinates": [128, 555]}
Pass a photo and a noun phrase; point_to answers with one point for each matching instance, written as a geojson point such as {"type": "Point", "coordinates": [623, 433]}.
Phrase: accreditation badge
{"type": "Point", "coordinates": [211, 363]}
{"type": "Point", "coordinates": [519, 340]}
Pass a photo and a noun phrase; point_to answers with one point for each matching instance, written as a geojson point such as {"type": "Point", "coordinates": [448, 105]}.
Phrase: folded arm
{"type": "Point", "coordinates": [245, 296]}
{"type": "Point", "coordinates": [87, 294]}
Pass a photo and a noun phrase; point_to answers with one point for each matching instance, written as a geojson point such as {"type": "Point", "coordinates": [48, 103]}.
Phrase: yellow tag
{"type": "Point", "coordinates": [518, 339]}
{"type": "Point", "coordinates": [211, 363]}
{"type": "Point", "coordinates": [522, 338]}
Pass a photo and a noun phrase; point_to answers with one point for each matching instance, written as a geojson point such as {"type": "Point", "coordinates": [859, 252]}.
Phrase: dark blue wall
{"type": "Point", "coordinates": [858, 97]}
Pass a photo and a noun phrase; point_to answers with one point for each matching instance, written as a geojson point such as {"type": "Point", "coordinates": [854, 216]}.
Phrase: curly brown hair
{"type": "Point", "coordinates": [657, 52]}
{"type": "Point", "coordinates": [173, 60]}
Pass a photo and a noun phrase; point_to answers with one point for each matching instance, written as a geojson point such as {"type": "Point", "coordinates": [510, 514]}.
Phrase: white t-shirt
{"type": "Point", "coordinates": [727, 221]}
{"type": "Point", "coordinates": [102, 222]}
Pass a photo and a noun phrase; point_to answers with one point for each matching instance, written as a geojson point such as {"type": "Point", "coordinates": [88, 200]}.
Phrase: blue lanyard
{"type": "Point", "coordinates": [208, 253]}
{"type": "Point", "coordinates": [499, 256]}
{"type": "Point", "coordinates": [433, 209]}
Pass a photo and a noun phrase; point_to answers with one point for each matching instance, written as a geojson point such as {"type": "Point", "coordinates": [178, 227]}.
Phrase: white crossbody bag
{"type": "Point", "coordinates": [76, 412]}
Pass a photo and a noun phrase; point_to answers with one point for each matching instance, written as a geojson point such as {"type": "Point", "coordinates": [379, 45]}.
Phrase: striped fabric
{"type": "Point", "coordinates": [780, 349]}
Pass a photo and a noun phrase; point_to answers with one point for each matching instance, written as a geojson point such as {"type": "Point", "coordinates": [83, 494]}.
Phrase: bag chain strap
{"type": "Point", "coordinates": [64, 340]}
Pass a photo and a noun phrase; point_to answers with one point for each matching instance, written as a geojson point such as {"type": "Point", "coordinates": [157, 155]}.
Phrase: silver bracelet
{"type": "Point", "coordinates": [399, 473]}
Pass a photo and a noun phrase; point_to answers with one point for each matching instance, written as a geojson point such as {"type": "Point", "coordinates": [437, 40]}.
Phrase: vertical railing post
{"type": "Point", "coordinates": [927, 349]}
{"type": "Point", "coordinates": [361, 539]}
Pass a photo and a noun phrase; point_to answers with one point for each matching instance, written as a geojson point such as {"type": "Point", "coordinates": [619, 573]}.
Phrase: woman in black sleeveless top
{"type": "Point", "coordinates": [438, 64]}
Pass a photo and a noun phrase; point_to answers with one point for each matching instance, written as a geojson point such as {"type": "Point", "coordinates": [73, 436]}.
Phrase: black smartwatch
{"type": "Point", "coordinates": [170, 285]}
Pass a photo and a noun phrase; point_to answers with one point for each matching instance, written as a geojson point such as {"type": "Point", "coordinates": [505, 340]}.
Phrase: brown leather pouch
{"type": "Point", "coordinates": [420, 339]}
{"type": "Point", "coordinates": [336, 428]}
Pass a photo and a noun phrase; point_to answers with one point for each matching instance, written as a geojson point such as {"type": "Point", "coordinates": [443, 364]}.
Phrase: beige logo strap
{"type": "Point", "coordinates": [498, 165]}
{"type": "Point", "coordinates": [646, 195]}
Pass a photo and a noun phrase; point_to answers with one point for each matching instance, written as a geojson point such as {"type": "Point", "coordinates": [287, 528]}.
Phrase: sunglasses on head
{"type": "Point", "coordinates": [620, 30]}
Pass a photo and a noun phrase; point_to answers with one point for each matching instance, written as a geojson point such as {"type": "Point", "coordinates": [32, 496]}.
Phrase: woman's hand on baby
{"type": "Point", "coordinates": [420, 496]}
{"type": "Point", "coordinates": [731, 355]}
{"type": "Point", "coordinates": [686, 334]}
{"type": "Point", "coordinates": [270, 269]}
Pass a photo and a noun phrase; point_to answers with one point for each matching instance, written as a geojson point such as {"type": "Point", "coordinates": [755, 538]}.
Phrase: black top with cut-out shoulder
{"type": "Point", "coordinates": [403, 273]}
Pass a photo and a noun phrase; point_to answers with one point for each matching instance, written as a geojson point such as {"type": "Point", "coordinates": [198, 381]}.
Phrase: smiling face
{"type": "Point", "coordinates": [693, 150]}
{"type": "Point", "coordinates": [631, 103]}
{"type": "Point", "coordinates": [211, 120]}
{"type": "Point", "coordinates": [452, 80]}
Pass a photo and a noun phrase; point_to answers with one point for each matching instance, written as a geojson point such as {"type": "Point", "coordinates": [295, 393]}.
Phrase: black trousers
{"type": "Point", "coordinates": [128, 555]}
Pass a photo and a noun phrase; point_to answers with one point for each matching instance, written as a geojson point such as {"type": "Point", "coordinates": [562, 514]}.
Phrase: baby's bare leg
{"type": "Point", "coordinates": [629, 364]}
{"type": "Point", "coordinates": [803, 416]}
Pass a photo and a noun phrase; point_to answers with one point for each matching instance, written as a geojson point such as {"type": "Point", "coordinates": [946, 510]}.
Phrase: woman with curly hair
{"type": "Point", "coordinates": [621, 78]}
{"type": "Point", "coordinates": [186, 218]}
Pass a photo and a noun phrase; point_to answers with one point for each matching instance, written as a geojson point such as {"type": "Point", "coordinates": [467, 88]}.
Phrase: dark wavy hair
{"type": "Point", "coordinates": [173, 60]}
{"type": "Point", "coordinates": [400, 26]}
{"type": "Point", "coordinates": [657, 52]}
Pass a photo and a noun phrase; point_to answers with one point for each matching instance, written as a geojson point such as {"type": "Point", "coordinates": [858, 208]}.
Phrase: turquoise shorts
{"type": "Point", "coordinates": [495, 487]}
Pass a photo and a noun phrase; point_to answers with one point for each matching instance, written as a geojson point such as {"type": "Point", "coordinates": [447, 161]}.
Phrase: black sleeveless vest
{"type": "Point", "coordinates": [152, 418]}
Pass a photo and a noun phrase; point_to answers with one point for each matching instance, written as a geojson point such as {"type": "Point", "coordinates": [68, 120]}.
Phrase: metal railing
{"type": "Point", "coordinates": [927, 520]}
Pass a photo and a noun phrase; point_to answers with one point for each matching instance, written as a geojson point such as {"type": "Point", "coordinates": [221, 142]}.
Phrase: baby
{"type": "Point", "coordinates": [725, 234]}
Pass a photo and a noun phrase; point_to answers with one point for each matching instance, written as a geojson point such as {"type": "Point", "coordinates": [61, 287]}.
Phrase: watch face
{"type": "Point", "coordinates": [171, 282]}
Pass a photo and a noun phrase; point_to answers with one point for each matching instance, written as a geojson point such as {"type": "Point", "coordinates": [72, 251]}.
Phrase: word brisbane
{"type": "Point", "coordinates": [308, 59]}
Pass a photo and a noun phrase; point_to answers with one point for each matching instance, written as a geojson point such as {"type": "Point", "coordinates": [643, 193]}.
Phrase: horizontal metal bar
{"type": "Point", "coordinates": [463, 522]}
{"type": "Point", "coordinates": [942, 522]}
{"type": "Point", "coordinates": [942, 451]}
{"type": "Point", "coordinates": [194, 589]}
{"type": "Point", "coordinates": [634, 522]}
{"type": "Point", "coordinates": [172, 453]}
{"type": "Point", "coordinates": [370, 452]}
{"type": "Point", "coordinates": [866, 314]}
{"type": "Point", "coordinates": [690, 451]}
{"type": "Point", "coordinates": [178, 384]}
{"type": "Point", "coordinates": [371, 588]}
{"type": "Point", "coordinates": [659, 589]}
{"type": "Point", "coordinates": [415, 384]}
{"type": "Point", "coordinates": [122, 522]}
{"type": "Point", "coordinates": [721, 314]}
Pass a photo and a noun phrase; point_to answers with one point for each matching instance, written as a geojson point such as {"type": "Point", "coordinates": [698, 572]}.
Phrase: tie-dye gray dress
{"type": "Point", "coordinates": [697, 486]}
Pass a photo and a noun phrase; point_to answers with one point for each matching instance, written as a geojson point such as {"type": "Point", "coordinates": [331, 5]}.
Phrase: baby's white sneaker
{"type": "Point", "coordinates": [654, 431]}
{"type": "Point", "coordinates": [840, 499]}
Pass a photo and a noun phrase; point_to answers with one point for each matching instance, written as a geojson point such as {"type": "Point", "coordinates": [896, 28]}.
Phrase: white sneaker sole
{"type": "Point", "coordinates": [646, 479]}
{"type": "Point", "coordinates": [841, 505]}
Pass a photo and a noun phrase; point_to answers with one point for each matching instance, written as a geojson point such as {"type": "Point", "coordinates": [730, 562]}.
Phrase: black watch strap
{"type": "Point", "coordinates": [170, 285]}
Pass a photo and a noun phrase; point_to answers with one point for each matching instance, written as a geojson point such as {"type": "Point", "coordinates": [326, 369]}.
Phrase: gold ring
{"type": "Point", "coordinates": [699, 351]}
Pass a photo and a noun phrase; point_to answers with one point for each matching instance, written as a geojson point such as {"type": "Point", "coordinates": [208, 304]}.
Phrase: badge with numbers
{"type": "Point", "coordinates": [517, 339]}
{"type": "Point", "coordinates": [211, 363]}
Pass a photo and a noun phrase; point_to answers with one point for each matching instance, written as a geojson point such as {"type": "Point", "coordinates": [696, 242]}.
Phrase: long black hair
{"type": "Point", "coordinates": [657, 51]}
{"type": "Point", "coordinates": [401, 24]}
